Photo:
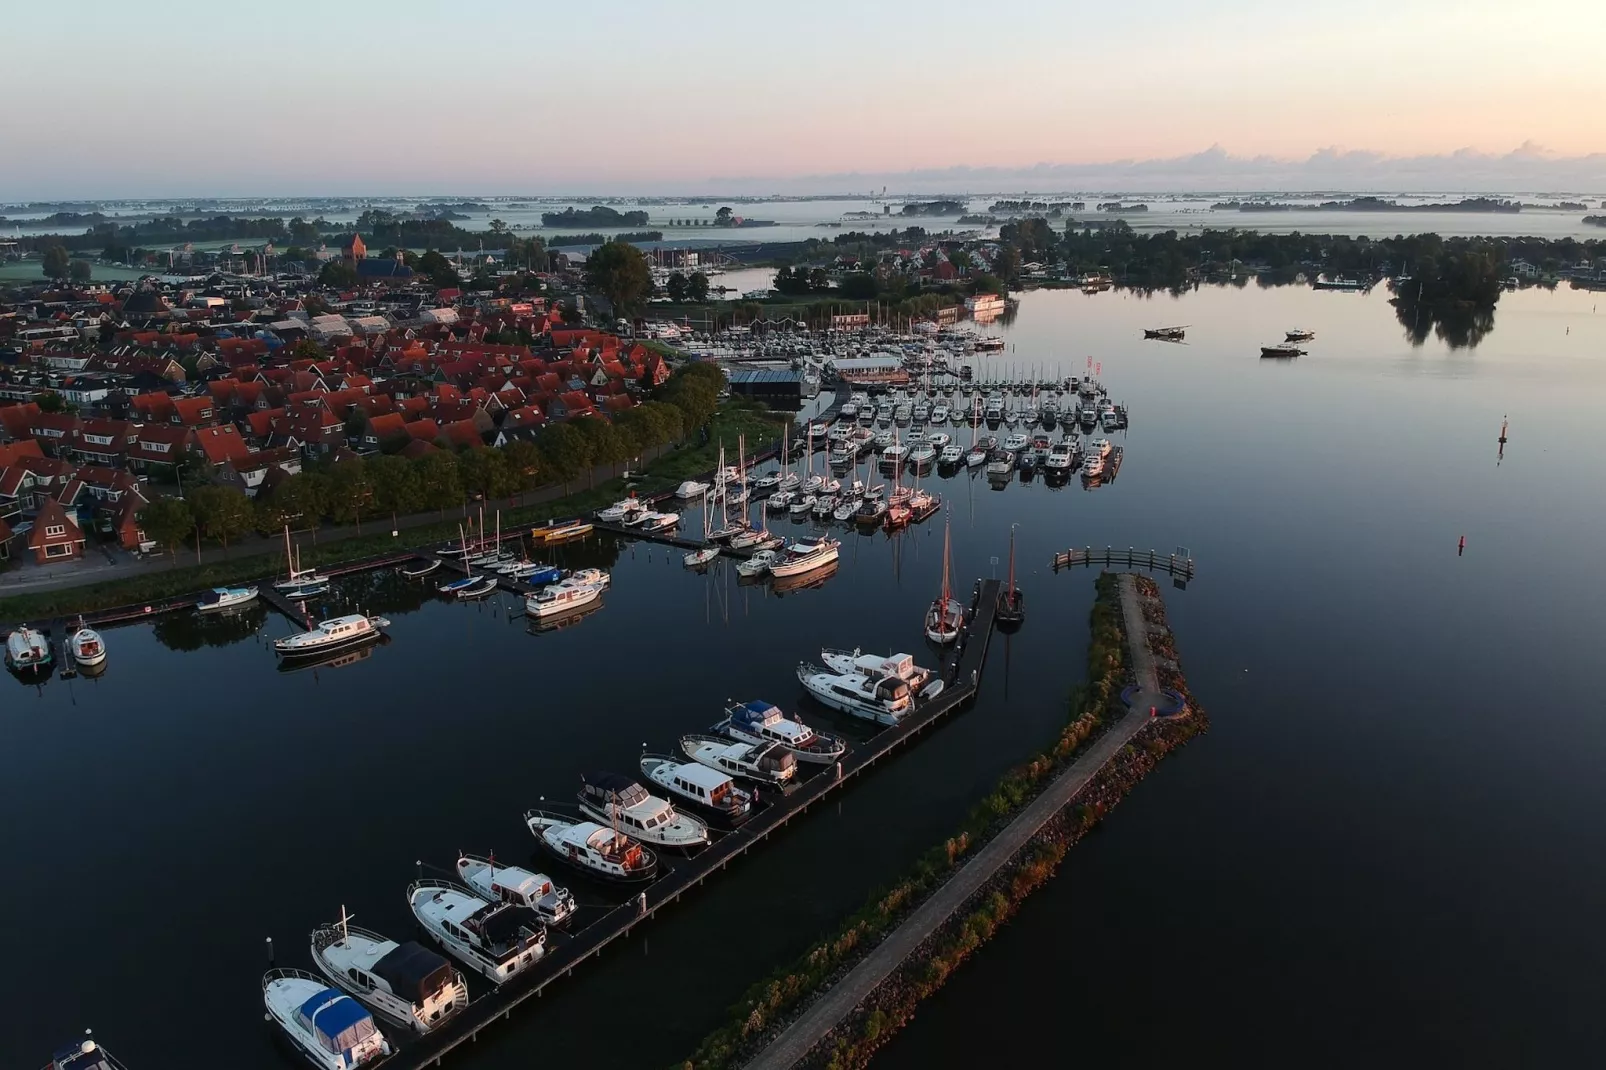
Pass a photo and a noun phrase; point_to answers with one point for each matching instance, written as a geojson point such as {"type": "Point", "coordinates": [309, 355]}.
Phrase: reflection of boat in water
{"type": "Point", "coordinates": [541, 625]}
{"type": "Point", "coordinates": [337, 659]}
{"type": "Point", "coordinates": [807, 581]}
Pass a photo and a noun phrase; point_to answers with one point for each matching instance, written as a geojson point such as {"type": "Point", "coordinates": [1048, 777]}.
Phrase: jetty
{"type": "Point", "coordinates": [1178, 564]}
{"type": "Point", "coordinates": [825, 1014]}
{"type": "Point", "coordinates": [684, 876]}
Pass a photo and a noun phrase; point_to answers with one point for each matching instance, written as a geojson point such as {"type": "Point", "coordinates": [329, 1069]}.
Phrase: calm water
{"type": "Point", "coordinates": [1383, 847]}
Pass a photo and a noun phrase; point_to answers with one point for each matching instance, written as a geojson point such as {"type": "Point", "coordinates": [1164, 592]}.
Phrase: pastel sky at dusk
{"type": "Point", "coordinates": [179, 98]}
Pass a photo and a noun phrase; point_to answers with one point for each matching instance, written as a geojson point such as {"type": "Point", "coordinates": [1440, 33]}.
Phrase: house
{"type": "Point", "coordinates": [157, 445]}
{"type": "Point", "coordinates": [94, 483]}
{"type": "Point", "coordinates": [387, 430]}
{"type": "Point", "coordinates": [56, 535]}
{"type": "Point", "coordinates": [125, 525]}
{"type": "Point", "coordinates": [103, 442]}
{"type": "Point", "coordinates": [53, 431]}
{"type": "Point", "coordinates": [28, 483]}
{"type": "Point", "coordinates": [5, 540]}
{"type": "Point", "coordinates": [255, 471]}
{"type": "Point", "coordinates": [220, 445]}
{"type": "Point", "coordinates": [461, 433]}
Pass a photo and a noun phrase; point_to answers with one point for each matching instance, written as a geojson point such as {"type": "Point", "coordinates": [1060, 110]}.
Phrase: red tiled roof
{"type": "Point", "coordinates": [462, 433]}
{"type": "Point", "coordinates": [426, 430]}
{"type": "Point", "coordinates": [222, 444]}
{"type": "Point", "coordinates": [387, 425]}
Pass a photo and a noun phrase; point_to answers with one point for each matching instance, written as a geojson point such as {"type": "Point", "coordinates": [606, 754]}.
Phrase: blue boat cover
{"type": "Point", "coordinates": [339, 1020]}
{"type": "Point", "coordinates": [753, 713]}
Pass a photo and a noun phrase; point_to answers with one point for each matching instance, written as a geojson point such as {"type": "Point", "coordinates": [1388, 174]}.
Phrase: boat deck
{"type": "Point", "coordinates": [685, 875]}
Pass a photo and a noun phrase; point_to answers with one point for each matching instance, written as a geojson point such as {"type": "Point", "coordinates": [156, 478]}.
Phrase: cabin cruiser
{"type": "Point", "coordinates": [1100, 446]}
{"type": "Point", "coordinates": [1299, 335]}
{"type": "Point", "coordinates": [1059, 457]}
{"type": "Point", "coordinates": [691, 488]}
{"type": "Point", "coordinates": [766, 483]}
{"type": "Point", "coordinates": [877, 697]}
{"type": "Point", "coordinates": [84, 1055]}
{"type": "Point", "coordinates": [220, 598]}
{"type": "Point", "coordinates": [654, 521]}
{"type": "Point", "coordinates": [327, 1026]}
{"type": "Point", "coordinates": [780, 501]}
{"type": "Point", "coordinates": [824, 506]}
{"type": "Point", "coordinates": [759, 722]}
{"type": "Point", "coordinates": [758, 564]}
{"type": "Point", "coordinates": [870, 511]}
{"type": "Point", "coordinates": [842, 455]}
{"type": "Point", "coordinates": [766, 763]}
{"type": "Point", "coordinates": [619, 802]}
{"type": "Point", "coordinates": [497, 883]}
{"type": "Point", "coordinates": [1093, 464]}
{"type": "Point", "coordinates": [805, 555]}
{"type": "Point", "coordinates": [924, 682]}
{"type": "Point", "coordinates": [789, 483]}
{"type": "Point", "coordinates": [709, 791]}
{"type": "Point", "coordinates": [594, 576]}
{"type": "Point", "coordinates": [334, 634]}
{"type": "Point", "coordinates": [560, 598]}
{"type": "Point", "coordinates": [812, 484]}
{"type": "Point", "coordinates": [883, 441]}
{"type": "Point", "coordinates": [86, 646]}
{"type": "Point", "coordinates": [802, 505]}
{"type": "Point", "coordinates": [1016, 442]}
{"type": "Point", "coordinates": [937, 439]}
{"type": "Point", "coordinates": [894, 454]}
{"type": "Point", "coordinates": [939, 414]}
{"type": "Point", "coordinates": [594, 849]}
{"type": "Point", "coordinates": [846, 507]}
{"type": "Point", "coordinates": [951, 454]}
{"type": "Point", "coordinates": [408, 984]}
{"type": "Point", "coordinates": [497, 939]}
{"type": "Point", "coordinates": [1000, 462]}
{"type": "Point", "coordinates": [922, 454]}
{"type": "Point", "coordinates": [621, 510]}
{"type": "Point", "coordinates": [819, 430]}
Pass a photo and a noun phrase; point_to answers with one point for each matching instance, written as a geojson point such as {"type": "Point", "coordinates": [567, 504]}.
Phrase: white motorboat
{"type": "Point", "coordinates": [408, 984]}
{"type": "Point", "coordinates": [780, 501]}
{"type": "Point", "coordinates": [27, 650]}
{"type": "Point", "coordinates": [595, 576]}
{"type": "Point", "coordinates": [937, 440]}
{"type": "Point", "coordinates": [883, 441]}
{"type": "Point", "coordinates": [220, 598]}
{"type": "Point", "coordinates": [760, 722]}
{"type": "Point", "coordinates": [655, 521]}
{"type": "Point", "coordinates": [497, 939]}
{"type": "Point", "coordinates": [1100, 446]}
{"type": "Point", "coordinates": [1000, 462]}
{"type": "Point", "coordinates": [88, 649]}
{"type": "Point", "coordinates": [767, 483]}
{"type": "Point", "coordinates": [758, 564]}
{"type": "Point", "coordinates": [621, 510]}
{"type": "Point", "coordinates": [939, 414]}
{"type": "Point", "coordinates": [1093, 464]}
{"type": "Point", "coordinates": [818, 430]}
{"type": "Point", "coordinates": [845, 509]}
{"type": "Point", "coordinates": [824, 506]}
{"type": "Point", "coordinates": [974, 456]}
{"type": "Point", "coordinates": [469, 587]}
{"type": "Point", "coordinates": [1016, 442]}
{"type": "Point", "coordinates": [87, 1054]}
{"type": "Point", "coordinates": [619, 802]}
{"type": "Point", "coordinates": [699, 558]}
{"type": "Point", "coordinates": [709, 791]}
{"type": "Point", "coordinates": [496, 883]}
{"type": "Point", "coordinates": [806, 555]}
{"type": "Point", "coordinates": [691, 488]}
{"type": "Point", "coordinates": [354, 629]}
{"type": "Point", "coordinates": [894, 454]}
{"type": "Point", "coordinates": [594, 849]}
{"type": "Point", "coordinates": [882, 698]}
{"type": "Point", "coordinates": [802, 505]}
{"type": "Point", "coordinates": [561, 598]}
{"type": "Point", "coordinates": [1059, 457]}
{"type": "Point", "coordinates": [922, 454]}
{"type": "Point", "coordinates": [789, 483]}
{"type": "Point", "coordinates": [925, 683]}
{"type": "Point", "coordinates": [812, 484]}
{"type": "Point", "coordinates": [766, 763]}
{"type": "Point", "coordinates": [951, 454]}
{"type": "Point", "coordinates": [328, 1027]}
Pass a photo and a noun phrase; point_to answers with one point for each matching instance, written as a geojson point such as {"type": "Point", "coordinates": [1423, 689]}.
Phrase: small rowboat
{"type": "Point", "coordinates": [420, 570]}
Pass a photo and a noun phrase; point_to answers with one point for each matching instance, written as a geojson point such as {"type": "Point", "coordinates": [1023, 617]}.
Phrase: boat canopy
{"type": "Point", "coordinates": [755, 714]}
{"type": "Point", "coordinates": [615, 787]}
{"type": "Point", "coordinates": [499, 926]}
{"type": "Point", "coordinates": [413, 971]}
{"type": "Point", "coordinates": [700, 775]}
{"type": "Point", "coordinates": [338, 1021]}
{"type": "Point", "coordinates": [521, 884]}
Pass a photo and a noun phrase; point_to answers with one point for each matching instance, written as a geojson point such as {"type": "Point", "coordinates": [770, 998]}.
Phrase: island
{"type": "Point", "coordinates": [599, 215]}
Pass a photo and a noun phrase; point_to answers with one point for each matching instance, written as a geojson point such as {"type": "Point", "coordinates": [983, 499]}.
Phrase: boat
{"type": "Point", "coordinates": [496, 883]}
{"type": "Point", "coordinates": [758, 564]}
{"type": "Point", "coordinates": [88, 649]}
{"type": "Point", "coordinates": [594, 576]}
{"type": "Point", "coordinates": [328, 1027]}
{"type": "Point", "coordinates": [1282, 349]}
{"type": "Point", "coordinates": [691, 488]}
{"type": "Point", "coordinates": [951, 455]}
{"type": "Point", "coordinates": [655, 522]}
{"type": "Point", "coordinates": [1060, 457]}
{"type": "Point", "coordinates": [407, 984]}
{"type": "Point", "coordinates": [1027, 462]}
{"type": "Point", "coordinates": [469, 587]}
{"type": "Point", "coordinates": [1100, 446]}
{"type": "Point", "coordinates": [337, 633]}
{"type": "Point", "coordinates": [708, 791]}
{"type": "Point", "coordinates": [302, 583]}
{"type": "Point", "coordinates": [1299, 336]}
{"type": "Point", "coordinates": [532, 572]}
{"type": "Point", "coordinates": [946, 617]}
{"type": "Point", "coordinates": [923, 454]}
{"type": "Point", "coordinates": [84, 1055]}
{"type": "Point", "coordinates": [221, 598]}
{"type": "Point", "coordinates": [878, 697]}
{"type": "Point", "coordinates": [766, 763]}
{"type": "Point", "coordinates": [894, 454]}
{"type": "Point", "coordinates": [803, 505]}
{"type": "Point", "coordinates": [560, 598]}
{"type": "Point", "coordinates": [805, 555]}
{"type": "Point", "coordinates": [1011, 609]}
{"type": "Point", "coordinates": [420, 570]}
{"type": "Point", "coordinates": [760, 722]}
{"type": "Point", "coordinates": [780, 501]}
{"type": "Point", "coordinates": [870, 512]}
{"type": "Point", "coordinates": [616, 800]}
{"type": "Point", "coordinates": [824, 506]}
{"type": "Point", "coordinates": [593, 849]}
{"type": "Point", "coordinates": [1016, 442]}
{"type": "Point", "coordinates": [1000, 462]}
{"type": "Point", "coordinates": [621, 510]}
{"type": "Point", "coordinates": [1166, 334]}
{"type": "Point", "coordinates": [499, 940]}
{"type": "Point", "coordinates": [699, 558]}
{"type": "Point", "coordinates": [1093, 464]}
{"type": "Point", "coordinates": [925, 683]}
{"type": "Point", "coordinates": [557, 530]}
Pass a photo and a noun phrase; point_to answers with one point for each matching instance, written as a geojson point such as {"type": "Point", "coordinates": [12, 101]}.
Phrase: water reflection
{"type": "Point", "coordinates": [1457, 327]}
{"type": "Point", "coordinates": [336, 660]}
{"type": "Point", "coordinates": [192, 631]}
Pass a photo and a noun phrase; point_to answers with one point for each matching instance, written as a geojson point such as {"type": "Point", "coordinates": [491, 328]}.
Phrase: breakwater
{"type": "Point", "coordinates": [851, 992]}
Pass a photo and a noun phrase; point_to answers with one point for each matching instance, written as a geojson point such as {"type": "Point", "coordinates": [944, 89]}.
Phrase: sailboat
{"type": "Point", "coordinates": [1011, 600]}
{"type": "Point", "coordinates": [470, 586]}
{"type": "Point", "coordinates": [302, 582]}
{"type": "Point", "coordinates": [946, 616]}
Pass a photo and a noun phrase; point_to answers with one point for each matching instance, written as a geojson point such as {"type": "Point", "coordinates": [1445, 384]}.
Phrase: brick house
{"type": "Point", "coordinates": [56, 535]}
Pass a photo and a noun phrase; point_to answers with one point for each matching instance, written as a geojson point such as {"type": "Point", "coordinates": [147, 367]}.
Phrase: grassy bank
{"type": "Point", "coordinates": [664, 473]}
{"type": "Point", "coordinates": [769, 1005]}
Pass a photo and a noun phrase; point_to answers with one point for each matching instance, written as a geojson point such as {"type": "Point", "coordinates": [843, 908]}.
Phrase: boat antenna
{"type": "Point", "coordinates": [345, 930]}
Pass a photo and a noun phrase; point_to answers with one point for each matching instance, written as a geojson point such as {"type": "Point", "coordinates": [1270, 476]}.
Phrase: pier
{"type": "Point", "coordinates": [1179, 564]}
{"type": "Point", "coordinates": [685, 876]}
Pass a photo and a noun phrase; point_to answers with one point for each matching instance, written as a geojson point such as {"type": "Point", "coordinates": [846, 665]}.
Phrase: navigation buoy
{"type": "Point", "coordinates": [1461, 547]}
{"type": "Point", "coordinates": [1503, 422]}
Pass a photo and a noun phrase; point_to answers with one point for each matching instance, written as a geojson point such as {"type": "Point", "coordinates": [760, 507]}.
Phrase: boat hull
{"type": "Point", "coordinates": [644, 875]}
{"type": "Point", "coordinates": [312, 651]}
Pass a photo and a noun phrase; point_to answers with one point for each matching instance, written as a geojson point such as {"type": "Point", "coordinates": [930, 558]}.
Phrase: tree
{"type": "Point", "coordinates": [55, 262]}
{"type": "Point", "coordinates": [724, 217]}
{"type": "Point", "coordinates": [606, 444]}
{"type": "Point", "coordinates": [440, 484]}
{"type": "Point", "coordinates": [396, 485]}
{"type": "Point", "coordinates": [620, 273]}
{"type": "Point", "coordinates": [221, 513]}
{"type": "Point", "coordinates": [349, 491]}
{"type": "Point", "coordinates": [694, 390]}
{"type": "Point", "coordinates": [819, 280]}
{"type": "Point", "coordinates": [303, 497]}
{"type": "Point", "coordinates": [697, 287]}
{"type": "Point", "coordinates": [565, 452]}
{"type": "Point", "coordinates": [498, 228]}
{"type": "Point", "coordinates": [50, 401]}
{"type": "Point", "coordinates": [523, 462]}
{"type": "Point", "coordinates": [859, 286]}
{"type": "Point", "coordinates": [80, 271]}
{"type": "Point", "coordinates": [439, 269]}
{"type": "Point", "coordinates": [168, 521]}
{"type": "Point", "coordinates": [676, 287]}
{"type": "Point", "coordinates": [338, 274]}
{"type": "Point", "coordinates": [307, 349]}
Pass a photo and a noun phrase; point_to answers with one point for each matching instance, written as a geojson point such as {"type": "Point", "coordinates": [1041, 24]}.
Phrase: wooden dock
{"type": "Point", "coordinates": [684, 876]}
{"type": "Point", "coordinates": [1179, 565]}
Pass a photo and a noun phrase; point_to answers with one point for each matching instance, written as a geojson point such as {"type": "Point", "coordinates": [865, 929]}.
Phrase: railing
{"type": "Point", "coordinates": [1180, 565]}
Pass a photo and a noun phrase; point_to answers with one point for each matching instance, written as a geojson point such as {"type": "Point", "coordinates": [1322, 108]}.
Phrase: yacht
{"type": "Point", "coordinates": [327, 1026]}
{"type": "Point", "coordinates": [883, 441]}
{"type": "Point", "coordinates": [561, 598]}
{"type": "Point", "coordinates": [871, 511]}
{"type": "Point", "coordinates": [846, 507]}
{"type": "Point", "coordinates": [894, 454]}
{"type": "Point", "coordinates": [88, 649]}
{"type": "Point", "coordinates": [802, 505]}
{"type": "Point", "coordinates": [1000, 462]}
{"type": "Point", "coordinates": [1299, 335]}
{"type": "Point", "coordinates": [951, 454]}
{"type": "Point", "coordinates": [619, 802]}
{"type": "Point", "coordinates": [925, 683]}
{"type": "Point", "coordinates": [497, 939]}
{"type": "Point", "coordinates": [1059, 457]}
{"type": "Point", "coordinates": [877, 697]}
{"type": "Point", "coordinates": [496, 883]}
{"type": "Point", "coordinates": [824, 506]}
{"type": "Point", "coordinates": [593, 849]}
{"type": "Point", "coordinates": [780, 501]}
{"type": "Point", "coordinates": [760, 722]}
{"type": "Point", "coordinates": [766, 763]}
{"type": "Point", "coordinates": [1093, 464]}
{"type": "Point", "coordinates": [758, 564]}
{"type": "Point", "coordinates": [407, 984]}
{"type": "Point", "coordinates": [767, 483]}
{"type": "Point", "coordinates": [220, 598]}
{"type": "Point", "coordinates": [593, 576]}
{"type": "Point", "coordinates": [1016, 442]}
{"type": "Point", "coordinates": [922, 454]}
{"type": "Point", "coordinates": [939, 414]}
{"type": "Point", "coordinates": [337, 633]}
{"type": "Point", "coordinates": [709, 791]}
{"type": "Point", "coordinates": [937, 439]}
{"type": "Point", "coordinates": [621, 510]}
{"type": "Point", "coordinates": [656, 522]}
{"type": "Point", "coordinates": [805, 555]}
{"type": "Point", "coordinates": [1100, 446]}
{"type": "Point", "coordinates": [691, 488]}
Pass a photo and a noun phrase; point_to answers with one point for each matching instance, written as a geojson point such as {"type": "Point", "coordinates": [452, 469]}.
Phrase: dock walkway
{"type": "Point", "coordinates": [1179, 565]}
{"type": "Point", "coordinates": [686, 875]}
{"type": "Point", "coordinates": [826, 1013]}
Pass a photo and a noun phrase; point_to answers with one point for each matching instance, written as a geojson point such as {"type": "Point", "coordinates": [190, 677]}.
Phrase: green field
{"type": "Point", "coordinates": [28, 271]}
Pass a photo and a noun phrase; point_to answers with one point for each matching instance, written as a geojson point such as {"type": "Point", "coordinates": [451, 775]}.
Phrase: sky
{"type": "Point", "coordinates": [352, 97]}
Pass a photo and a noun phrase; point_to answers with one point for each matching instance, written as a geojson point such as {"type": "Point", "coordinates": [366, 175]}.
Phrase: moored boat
{"type": "Point", "coordinates": [557, 530]}
{"type": "Point", "coordinates": [878, 697]}
{"type": "Point", "coordinates": [420, 569]}
{"type": "Point", "coordinates": [328, 1027]}
{"type": "Point", "coordinates": [1282, 349]}
{"type": "Point", "coordinates": [407, 984]}
{"type": "Point", "coordinates": [498, 940]}
{"type": "Point", "coordinates": [760, 722]}
{"type": "Point", "coordinates": [469, 587]}
{"type": "Point", "coordinates": [594, 849]}
{"type": "Point", "coordinates": [765, 763]}
{"type": "Point", "coordinates": [925, 683]}
{"type": "Point", "coordinates": [691, 488]}
{"type": "Point", "coordinates": [496, 883]}
{"type": "Point", "coordinates": [806, 555]}
{"type": "Point", "coordinates": [561, 598]}
{"type": "Point", "coordinates": [1011, 609]}
{"type": "Point", "coordinates": [945, 617]}
{"type": "Point", "coordinates": [707, 790]}
{"type": "Point", "coordinates": [337, 633]}
{"type": "Point", "coordinates": [84, 1055]}
{"type": "Point", "coordinates": [220, 598]}
{"type": "Point", "coordinates": [617, 801]}
{"type": "Point", "coordinates": [88, 649]}
{"type": "Point", "coordinates": [699, 558]}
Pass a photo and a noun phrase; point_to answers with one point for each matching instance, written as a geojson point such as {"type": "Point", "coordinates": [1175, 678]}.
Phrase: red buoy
{"type": "Point", "coordinates": [1461, 548]}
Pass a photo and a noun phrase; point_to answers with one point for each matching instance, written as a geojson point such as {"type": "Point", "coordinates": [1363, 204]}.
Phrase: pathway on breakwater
{"type": "Point", "coordinates": [827, 1012]}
